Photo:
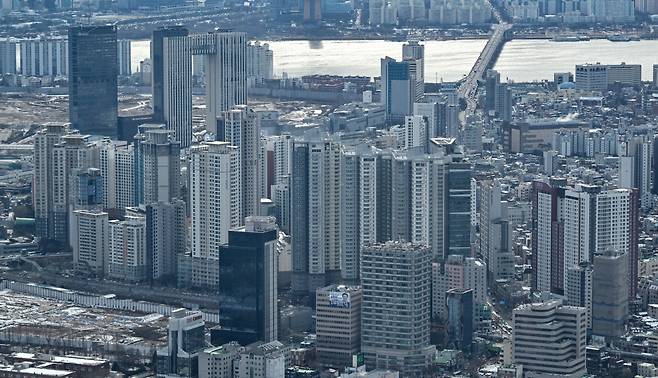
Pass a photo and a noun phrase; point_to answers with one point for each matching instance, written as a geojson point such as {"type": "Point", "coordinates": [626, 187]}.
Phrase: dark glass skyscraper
{"type": "Point", "coordinates": [93, 68]}
{"type": "Point", "coordinates": [248, 284]}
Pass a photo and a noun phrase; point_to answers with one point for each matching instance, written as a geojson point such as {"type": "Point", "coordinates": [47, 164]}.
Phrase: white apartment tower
{"type": "Point", "coordinates": [89, 240]}
{"type": "Point", "coordinates": [42, 194]}
{"type": "Point", "coordinates": [240, 127]}
{"type": "Point", "coordinates": [127, 255]}
{"type": "Point", "coordinates": [215, 196]}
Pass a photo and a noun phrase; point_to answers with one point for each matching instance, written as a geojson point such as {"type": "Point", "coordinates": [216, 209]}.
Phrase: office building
{"type": "Point", "coordinates": [261, 359]}
{"type": "Point", "coordinates": [123, 54]}
{"type": "Point", "coordinates": [93, 69]}
{"type": "Point", "coordinates": [248, 284]}
{"type": "Point", "coordinates": [599, 77]}
{"type": "Point", "coordinates": [610, 294]}
{"type": "Point", "coordinates": [458, 272]}
{"type": "Point", "coordinates": [240, 127]}
{"type": "Point", "coordinates": [504, 102]}
{"type": "Point", "coordinates": [89, 241]}
{"type": "Point", "coordinates": [549, 338]}
{"type": "Point", "coordinates": [172, 81]}
{"type": "Point", "coordinates": [166, 239]}
{"type": "Point", "coordinates": [655, 75]}
{"type": "Point", "coordinates": [398, 88]}
{"type": "Point", "coordinates": [8, 56]}
{"type": "Point", "coordinates": [43, 56]}
{"type": "Point", "coordinates": [185, 342]}
{"type": "Point", "coordinates": [572, 225]}
{"type": "Point", "coordinates": [624, 74]}
{"type": "Point", "coordinates": [219, 361]}
{"type": "Point", "coordinates": [160, 164]}
{"type": "Point", "coordinates": [592, 77]}
{"type": "Point", "coordinates": [337, 325]}
{"type": "Point", "coordinates": [396, 275]}
{"type": "Point", "coordinates": [460, 322]}
{"type": "Point", "coordinates": [492, 82]}
{"type": "Point", "coordinates": [315, 210]}
{"type": "Point", "coordinates": [414, 52]}
{"type": "Point", "coordinates": [214, 196]}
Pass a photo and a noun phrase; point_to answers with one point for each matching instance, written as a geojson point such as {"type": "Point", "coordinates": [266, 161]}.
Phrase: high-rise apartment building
{"type": "Point", "coordinates": [636, 166]}
{"type": "Point", "coordinates": [260, 63]}
{"type": "Point", "coordinates": [549, 338]}
{"type": "Point", "coordinates": [396, 276]}
{"type": "Point", "coordinates": [160, 154]}
{"type": "Point", "coordinates": [166, 239]}
{"type": "Point", "coordinates": [117, 166]}
{"type": "Point", "coordinates": [89, 241]}
{"type": "Point", "coordinates": [43, 184]}
{"type": "Point", "coordinates": [248, 284]}
{"type": "Point", "coordinates": [572, 225]}
{"type": "Point", "coordinates": [123, 55]}
{"type": "Point", "coordinates": [8, 56]}
{"type": "Point", "coordinates": [92, 69]}
{"type": "Point", "coordinates": [215, 196]}
{"type": "Point", "coordinates": [578, 288]}
{"type": "Point", "coordinates": [315, 210]}
{"type": "Point", "coordinates": [172, 81]}
{"type": "Point", "coordinates": [127, 255]}
{"type": "Point", "coordinates": [365, 176]}
{"type": "Point", "coordinates": [43, 56]}
{"type": "Point", "coordinates": [337, 325]}
{"type": "Point", "coordinates": [72, 155]}
{"type": "Point", "coordinates": [240, 127]}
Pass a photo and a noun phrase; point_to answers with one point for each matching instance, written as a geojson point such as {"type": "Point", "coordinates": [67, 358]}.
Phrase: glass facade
{"type": "Point", "coordinates": [93, 69]}
{"type": "Point", "coordinates": [242, 288]}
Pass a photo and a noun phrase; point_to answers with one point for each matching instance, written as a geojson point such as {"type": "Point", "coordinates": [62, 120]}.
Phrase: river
{"type": "Point", "coordinates": [520, 60]}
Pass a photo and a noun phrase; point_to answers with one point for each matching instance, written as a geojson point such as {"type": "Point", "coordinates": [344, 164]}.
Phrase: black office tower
{"type": "Point", "coordinates": [93, 69]}
{"type": "Point", "coordinates": [248, 284]}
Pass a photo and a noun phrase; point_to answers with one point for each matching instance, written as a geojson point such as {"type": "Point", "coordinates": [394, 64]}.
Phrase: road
{"type": "Point", "coordinates": [468, 88]}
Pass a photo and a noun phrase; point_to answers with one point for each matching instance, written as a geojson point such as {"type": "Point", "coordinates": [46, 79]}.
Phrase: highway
{"type": "Point", "coordinates": [468, 88]}
{"type": "Point", "coordinates": [469, 85]}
